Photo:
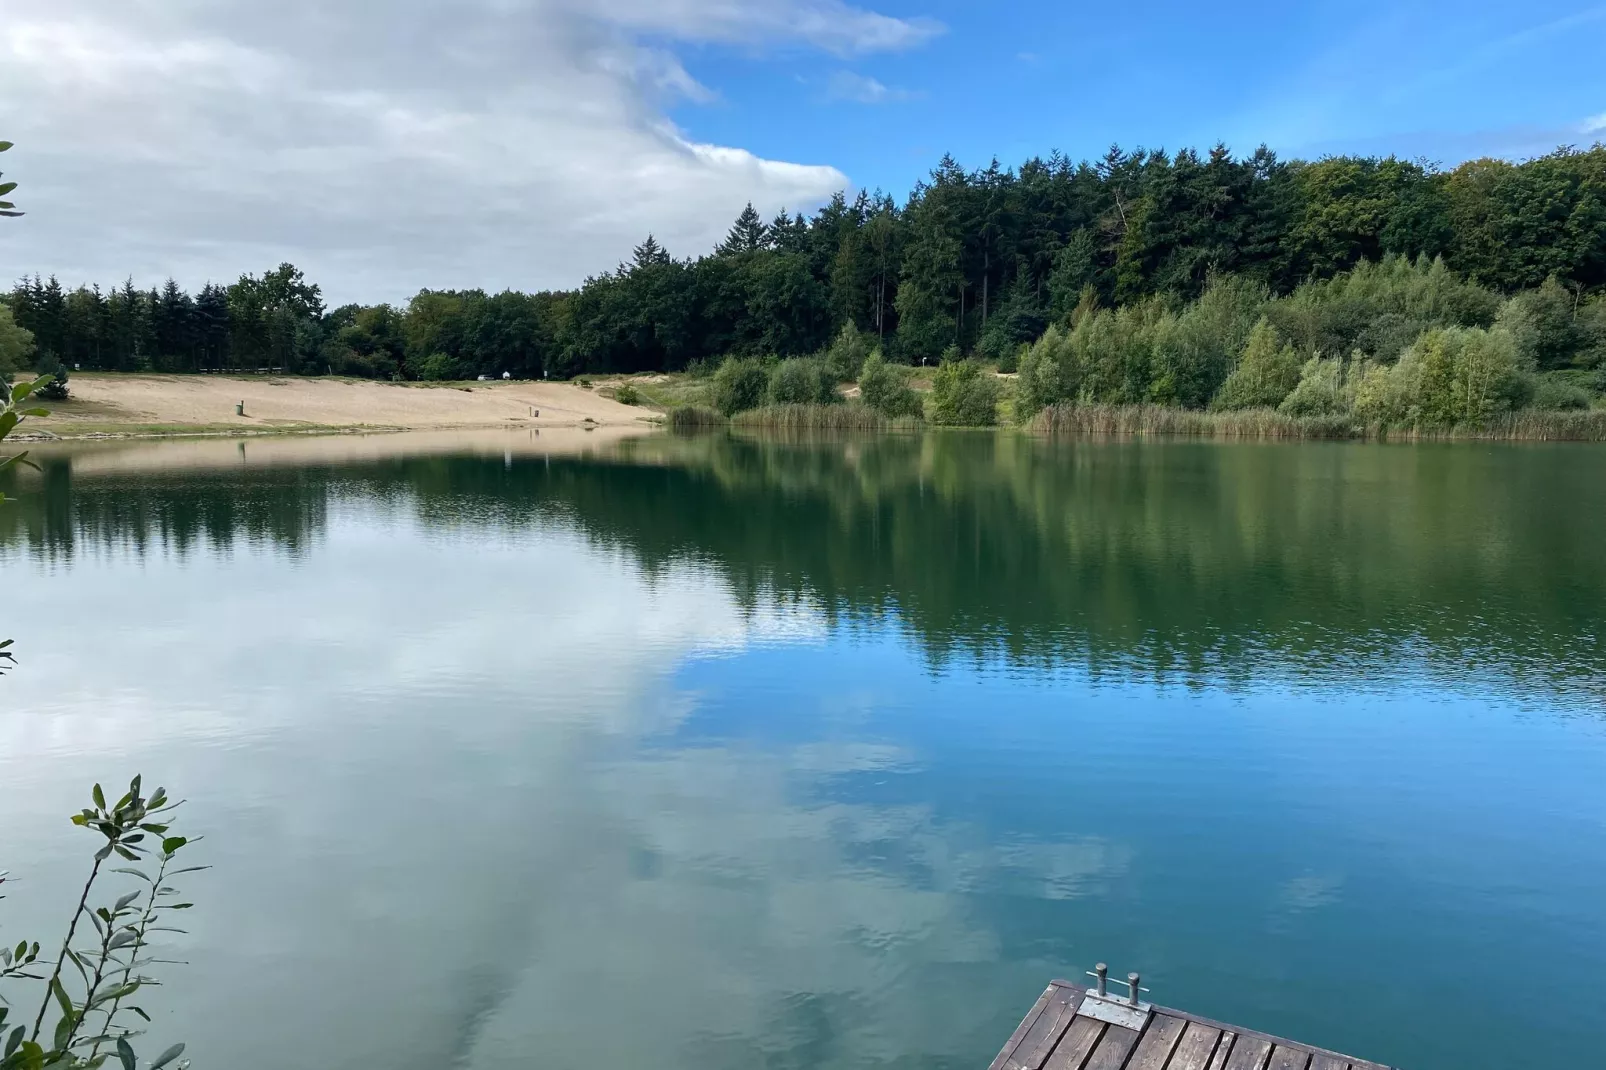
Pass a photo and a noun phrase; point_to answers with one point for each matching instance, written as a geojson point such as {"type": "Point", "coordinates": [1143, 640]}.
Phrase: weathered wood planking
{"type": "Point", "coordinates": [1056, 1035]}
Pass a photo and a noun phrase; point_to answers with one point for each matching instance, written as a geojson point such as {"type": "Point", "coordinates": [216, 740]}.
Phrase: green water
{"type": "Point", "coordinates": [724, 753]}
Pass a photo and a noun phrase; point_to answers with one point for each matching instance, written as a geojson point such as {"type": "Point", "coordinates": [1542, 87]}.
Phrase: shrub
{"type": "Point", "coordinates": [1324, 389]}
{"type": "Point", "coordinates": [56, 389]}
{"type": "Point", "coordinates": [1380, 307]}
{"type": "Point", "coordinates": [740, 384]}
{"type": "Point", "coordinates": [1556, 394]}
{"type": "Point", "coordinates": [700, 368]}
{"type": "Point", "coordinates": [847, 354]}
{"type": "Point", "coordinates": [439, 367]}
{"type": "Point", "coordinates": [964, 394]}
{"type": "Point", "coordinates": [885, 388]}
{"type": "Point", "coordinates": [16, 345]}
{"type": "Point", "coordinates": [1193, 354]}
{"type": "Point", "coordinates": [1450, 376]}
{"type": "Point", "coordinates": [1267, 373]}
{"type": "Point", "coordinates": [802, 381]}
{"type": "Point", "coordinates": [1045, 376]}
{"type": "Point", "coordinates": [585, 384]}
{"type": "Point", "coordinates": [627, 394]}
{"type": "Point", "coordinates": [1545, 325]}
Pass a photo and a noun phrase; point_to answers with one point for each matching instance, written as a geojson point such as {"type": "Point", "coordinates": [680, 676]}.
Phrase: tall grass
{"type": "Point", "coordinates": [694, 418]}
{"type": "Point", "coordinates": [1527, 425]}
{"type": "Point", "coordinates": [1073, 419]}
{"type": "Point", "coordinates": [818, 418]}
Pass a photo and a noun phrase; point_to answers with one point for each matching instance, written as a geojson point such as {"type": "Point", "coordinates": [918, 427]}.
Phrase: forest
{"type": "Point", "coordinates": [1141, 254]}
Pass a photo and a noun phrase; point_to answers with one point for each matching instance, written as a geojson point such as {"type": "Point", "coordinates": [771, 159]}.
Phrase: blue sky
{"type": "Point", "coordinates": [1447, 81]}
{"type": "Point", "coordinates": [531, 143]}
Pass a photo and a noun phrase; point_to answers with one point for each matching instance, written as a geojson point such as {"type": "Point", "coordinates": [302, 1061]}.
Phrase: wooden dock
{"type": "Point", "coordinates": [1071, 1028]}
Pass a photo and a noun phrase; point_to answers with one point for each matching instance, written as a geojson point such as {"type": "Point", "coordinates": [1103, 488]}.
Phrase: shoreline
{"type": "Point", "coordinates": [110, 406]}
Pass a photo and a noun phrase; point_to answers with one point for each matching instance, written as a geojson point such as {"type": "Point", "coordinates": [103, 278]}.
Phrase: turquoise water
{"type": "Point", "coordinates": [719, 753]}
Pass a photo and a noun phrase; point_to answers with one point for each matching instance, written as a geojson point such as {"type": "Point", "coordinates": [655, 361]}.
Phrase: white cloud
{"type": "Point", "coordinates": [500, 143]}
{"type": "Point", "coordinates": [1595, 124]}
{"type": "Point", "coordinates": [862, 89]}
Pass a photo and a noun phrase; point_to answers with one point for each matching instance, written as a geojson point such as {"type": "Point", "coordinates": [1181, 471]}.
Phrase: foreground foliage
{"type": "Point", "coordinates": [89, 996]}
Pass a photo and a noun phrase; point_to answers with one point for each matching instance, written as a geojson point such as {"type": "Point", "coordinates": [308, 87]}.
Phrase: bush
{"type": "Point", "coordinates": [439, 367]}
{"type": "Point", "coordinates": [1267, 373]}
{"type": "Point", "coordinates": [740, 384]}
{"type": "Point", "coordinates": [1380, 307]}
{"type": "Point", "coordinates": [585, 383]}
{"type": "Point", "coordinates": [1556, 394]}
{"type": "Point", "coordinates": [885, 388]}
{"type": "Point", "coordinates": [1544, 323]}
{"type": "Point", "coordinates": [700, 369]}
{"type": "Point", "coordinates": [847, 354]}
{"type": "Point", "coordinates": [56, 389]}
{"type": "Point", "coordinates": [964, 394]}
{"type": "Point", "coordinates": [1448, 377]}
{"type": "Point", "coordinates": [16, 345]}
{"type": "Point", "coordinates": [627, 395]}
{"type": "Point", "coordinates": [1045, 375]}
{"type": "Point", "coordinates": [1323, 390]}
{"type": "Point", "coordinates": [802, 381]}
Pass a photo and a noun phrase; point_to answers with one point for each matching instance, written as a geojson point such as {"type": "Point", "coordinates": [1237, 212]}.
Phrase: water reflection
{"type": "Point", "coordinates": [1194, 563]}
{"type": "Point", "coordinates": [716, 752]}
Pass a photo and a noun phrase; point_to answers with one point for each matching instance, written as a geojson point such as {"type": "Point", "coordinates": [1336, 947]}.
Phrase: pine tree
{"type": "Point", "coordinates": [748, 234]}
{"type": "Point", "coordinates": [648, 253]}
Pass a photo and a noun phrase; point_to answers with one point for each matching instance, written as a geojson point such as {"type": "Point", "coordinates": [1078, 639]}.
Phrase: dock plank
{"type": "Point", "coordinates": [1218, 1061]}
{"type": "Point", "coordinates": [1076, 1045]}
{"type": "Point", "coordinates": [1285, 1057]}
{"type": "Point", "coordinates": [1045, 1032]}
{"type": "Point", "coordinates": [1113, 1049]}
{"type": "Point", "coordinates": [1057, 1035]}
{"type": "Point", "coordinates": [1158, 1042]}
{"type": "Point", "coordinates": [1249, 1053]}
{"type": "Point", "coordinates": [1198, 1044]}
{"type": "Point", "coordinates": [1020, 1030]}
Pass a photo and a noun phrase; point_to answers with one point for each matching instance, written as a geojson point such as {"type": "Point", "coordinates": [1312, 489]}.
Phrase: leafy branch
{"type": "Point", "coordinates": [109, 970]}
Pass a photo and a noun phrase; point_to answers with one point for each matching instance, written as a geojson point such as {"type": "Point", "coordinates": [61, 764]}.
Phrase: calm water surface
{"type": "Point", "coordinates": [719, 754]}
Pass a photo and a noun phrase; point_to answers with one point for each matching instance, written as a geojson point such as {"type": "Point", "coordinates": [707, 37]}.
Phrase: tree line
{"type": "Point", "coordinates": [982, 260]}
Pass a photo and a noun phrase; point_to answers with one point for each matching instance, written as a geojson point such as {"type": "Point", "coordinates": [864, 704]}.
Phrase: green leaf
{"type": "Point", "coordinates": [62, 999]}
{"type": "Point", "coordinates": [121, 938]}
{"type": "Point", "coordinates": [7, 187]}
{"type": "Point", "coordinates": [15, 1038]}
{"type": "Point", "coordinates": [167, 1056]}
{"type": "Point", "coordinates": [155, 830]}
{"type": "Point", "coordinates": [125, 1054]}
{"type": "Point", "coordinates": [132, 872]}
{"type": "Point", "coordinates": [141, 1012]}
{"type": "Point", "coordinates": [173, 843]}
{"type": "Point", "coordinates": [100, 796]}
{"type": "Point", "coordinates": [126, 853]}
{"type": "Point", "coordinates": [123, 901]}
{"type": "Point", "coordinates": [4, 145]}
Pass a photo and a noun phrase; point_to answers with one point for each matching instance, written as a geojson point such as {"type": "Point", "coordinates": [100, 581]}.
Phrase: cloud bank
{"type": "Point", "coordinates": [495, 143]}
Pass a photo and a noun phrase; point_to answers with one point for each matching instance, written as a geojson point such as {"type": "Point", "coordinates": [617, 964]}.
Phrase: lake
{"type": "Point", "coordinates": [719, 753]}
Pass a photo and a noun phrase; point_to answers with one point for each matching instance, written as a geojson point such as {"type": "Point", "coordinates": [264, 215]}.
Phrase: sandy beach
{"type": "Point", "coordinates": [176, 404]}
